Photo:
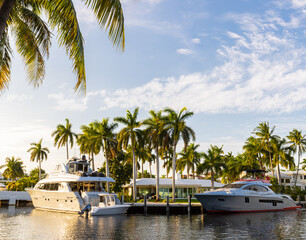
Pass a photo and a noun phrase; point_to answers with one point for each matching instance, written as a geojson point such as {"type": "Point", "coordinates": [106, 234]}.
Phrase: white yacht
{"type": "Point", "coordinates": [73, 186]}
{"type": "Point", "coordinates": [245, 196]}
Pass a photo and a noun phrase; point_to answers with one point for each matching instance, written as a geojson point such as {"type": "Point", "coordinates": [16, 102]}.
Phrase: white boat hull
{"type": "Point", "coordinates": [214, 203]}
{"type": "Point", "coordinates": [111, 210]}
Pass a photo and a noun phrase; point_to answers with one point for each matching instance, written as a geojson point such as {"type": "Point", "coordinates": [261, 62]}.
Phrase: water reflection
{"type": "Point", "coordinates": [28, 223]}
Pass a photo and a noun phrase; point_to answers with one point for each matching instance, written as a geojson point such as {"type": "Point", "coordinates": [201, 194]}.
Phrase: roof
{"type": "Point", "coordinates": [166, 182]}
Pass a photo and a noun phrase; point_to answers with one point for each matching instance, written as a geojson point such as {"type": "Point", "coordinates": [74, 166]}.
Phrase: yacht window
{"type": "Point", "coordinates": [256, 188]}
{"type": "Point", "coordinates": [73, 186]}
{"type": "Point", "coordinates": [117, 200]}
{"type": "Point", "coordinates": [46, 186]}
{"type": "Point", "coordinates": [54, 186]}
{"type": "Point", "coordinates": [85, 168]}
{"type": "Point", "coordinates": [71, 168]}
{"type": "Point", "coordinates": [232, 185]}
{"type": "Point", "coordinates": [80, 167]}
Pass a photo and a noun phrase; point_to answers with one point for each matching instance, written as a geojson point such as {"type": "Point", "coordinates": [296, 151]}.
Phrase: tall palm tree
{"type": "Point", "coordinates": [14, 168]}
{"type": "Point", "coordinates": [297, 142]}
{"type": "Point", "coordinates": [282, 156]}
{"type": "Point", "coordinates": [38, 153]}
{"type": "Point", "coordinates": [87, 144]}
{"type": "Point", "coordinates": [156, 134]}
{"type": "Point", "coordinates": [129, 135]}
{"type": "Point", "coordinates": [265, 135]}
{"type": "Point", "coordinates": [212, 164]}
{"type": "Point", "coordinates": [253, 149]}
{"type": "Point", "coordinates": [104, 138]}
{"type": "Point", "coordinates": [33, 38]}
{"type": "Point", "coordinates": [177, 129]}
{"type": "Point", "coordinates": [63, 134]}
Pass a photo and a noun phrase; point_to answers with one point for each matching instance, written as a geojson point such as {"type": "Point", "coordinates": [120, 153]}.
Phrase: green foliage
{"type": "Point", "coordinates": [22, 183]}
{"type": "Point", "coordinates": [14, 168]}
{"type": "Point", "coordinates": [35, 173]}
{"type": "Point", "coordinates": [146, 174]}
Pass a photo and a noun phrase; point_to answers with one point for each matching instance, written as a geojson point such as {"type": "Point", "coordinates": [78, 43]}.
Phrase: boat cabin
{"type": "Point", "coordinates": [107, 200]}
{"type": "Point", "coordinates": [78, 165]}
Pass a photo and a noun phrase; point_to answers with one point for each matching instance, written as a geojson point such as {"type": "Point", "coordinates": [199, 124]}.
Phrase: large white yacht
{"type": "Point", "coordinates": [245, 196]}
{"type": "Point", "coordinates": [70, 188]}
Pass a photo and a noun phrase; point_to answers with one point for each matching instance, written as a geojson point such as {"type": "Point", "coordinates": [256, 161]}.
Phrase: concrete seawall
{"type": "Point", "coordinates": [15, 198]}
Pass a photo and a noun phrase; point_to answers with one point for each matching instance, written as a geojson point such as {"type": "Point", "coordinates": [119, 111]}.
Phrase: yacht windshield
{"type": "Point", "coordinates": [234, 185]}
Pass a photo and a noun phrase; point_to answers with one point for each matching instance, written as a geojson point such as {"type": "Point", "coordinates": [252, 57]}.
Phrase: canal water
{"type": "Point", "coordinates": [28, 223]}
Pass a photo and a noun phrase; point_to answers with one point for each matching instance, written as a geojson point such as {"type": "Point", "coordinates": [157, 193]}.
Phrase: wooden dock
{"type": "Point", "coordinates": [15, 198]}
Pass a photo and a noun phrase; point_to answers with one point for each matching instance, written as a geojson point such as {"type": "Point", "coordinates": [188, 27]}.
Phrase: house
{"type": "Point", "coordinates": [183, 187]}
{"type": "Point", "coordinates": [288, 179]}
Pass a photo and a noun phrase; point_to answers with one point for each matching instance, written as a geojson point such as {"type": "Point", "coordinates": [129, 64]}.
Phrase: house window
{"type": "Point", "coordinates": [304, 176]}
{"type": "Point", "coordinates": [287, 180]}
{"type": "Point", "coordinates": [282, 180]}
{"type": "Point", "coordinates": [301, 177]}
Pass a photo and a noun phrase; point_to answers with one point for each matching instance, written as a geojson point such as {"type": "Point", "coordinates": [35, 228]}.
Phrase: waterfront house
{"type": "Point", "coordinates": [183, 187]}
{"type": "Point", "coordinates": [288, 178]}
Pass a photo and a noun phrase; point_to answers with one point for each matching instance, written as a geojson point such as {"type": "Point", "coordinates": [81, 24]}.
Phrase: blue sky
{"type": "Point", "coordinates": [235, 63]}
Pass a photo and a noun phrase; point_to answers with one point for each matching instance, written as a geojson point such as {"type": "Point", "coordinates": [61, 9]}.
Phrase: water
{"type": "Point", "coordinates": [29, 223]}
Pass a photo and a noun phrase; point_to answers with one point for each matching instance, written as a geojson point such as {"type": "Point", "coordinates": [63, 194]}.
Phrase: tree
{"type": "Point", "coordinates": [265, 135]}
{"type": "Point", "coordinates": [34, 173]}
{"type": "Point", "coordinates": [104, 138]}
{"type": "Point", "coordinates": [297, 142]}
{"type": "Point", "coordinates": [253, 149]}
{"type": "Point", "coordinates": [177, 129]}
{"type": "Point", "coordinates": [190, 159]}
{"type": "Point", "coordinates": [156, 134]}
{"type": "Point", "coordinates": [33, 38]}
{"type": "Point", "coordinates": [38, 153]}
{"type": "Point", "coordinates": [129, 135]}
{"type": "Point", "coordinates": [63, 134]}
{"type": "Point", "coordinates": [212, 163]}
{"type": "Point", "coordinates": [14, 168]}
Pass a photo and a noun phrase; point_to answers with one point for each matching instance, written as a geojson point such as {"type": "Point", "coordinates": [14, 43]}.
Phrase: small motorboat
{"type": "Point", "coordinates": [248, 195]}
{"type": "Point", "coordinates": [109, 205]}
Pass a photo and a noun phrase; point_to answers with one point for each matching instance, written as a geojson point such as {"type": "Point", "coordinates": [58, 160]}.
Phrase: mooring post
{"type": "Point", "coordinates": [167, 208]}
{"type": "Point", "coordinates": [299, 199]}
{"type": "Point", "coordinates": [122, 199]}
{"type": "Point", "coordinates": [189, 204]}
{"type": "Point", "coordinates": [145, 204]}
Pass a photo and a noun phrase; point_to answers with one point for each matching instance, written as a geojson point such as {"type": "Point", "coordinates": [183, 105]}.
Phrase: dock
{"type": "Point", "coordinates": [15, 198]}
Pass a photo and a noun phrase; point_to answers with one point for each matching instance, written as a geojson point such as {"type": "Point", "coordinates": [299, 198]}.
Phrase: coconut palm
{"type": "Point", "coordinates": [156, 134]}
{"type": "Point", "coordinates": [177, 129]}
{"type": "Point", "coordinates": [14, 168]}
{"type": "Point", "coordinates": [297, 142]}
{"type": "Point", "coordinates": [33, 38]}
{"type": "Point", "coordinates": [265, 135]}
{"type": "Point", "coordinates": [129, 135]}
{"type": "Point", "coordinates": [190, 159]}
{"type": "Point", "coordinates": [38, 153]}
{"type": "Point", "coordinates": [63, 134]}
{"type": "Point", "coordinates": [86, 143]}
{"type": "Point", "coordinates": [253, 149]}
{"type": "Point", "coordinates": [212, 164]}
{"type": "Point", "coordinates": [282, 156]}
{"type": "Point", "coordinates": [104, 138]}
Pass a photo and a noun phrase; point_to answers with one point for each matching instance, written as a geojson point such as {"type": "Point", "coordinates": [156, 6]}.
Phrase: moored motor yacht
{"type": "Point", "coordinates": [69, 188]}
{"type": "Point", "coordinates": [245, 196]}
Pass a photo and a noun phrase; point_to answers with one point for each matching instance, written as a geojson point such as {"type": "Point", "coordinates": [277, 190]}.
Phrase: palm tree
{"type": "Point", "coordinates": [253, 149]}
{"type": "Point", "coordinates": [281, 156]}
{"type": "Point", "coordinates": [104, 138]}
{"type": "Point", "coordinates": [189, 158]}
{"type": "Point", "coordinates": [156, 133]}
{"type": "Point", "coordinates": [177, 129]}
{"type": "Point", "coordinates": [33, 38]}
{"type": "Point", "coordinates": [63, 134]}
{"type": "Point", "coordinates": [14, 168]}
{"type": "Point", "coordinates": [212, 163]}
{"type": "Point", "coordinates": [297, 142]}
{"type": "Point", "coordinates": [38, 153]}
{"type": "Point", "coordinates": [265, 135]}
{"type": "Point", "coordinates": [86, 143]}
{"type": "Point", "coordinates": [129, 135]}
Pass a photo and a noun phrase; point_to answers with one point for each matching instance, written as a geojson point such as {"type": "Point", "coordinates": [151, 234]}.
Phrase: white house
{"type": "Point", "coordinates": [288, 178]}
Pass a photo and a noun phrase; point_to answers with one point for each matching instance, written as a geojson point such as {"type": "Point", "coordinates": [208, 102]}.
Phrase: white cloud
{"type": "Point", "coordinates": [184, 51]}
{"type": "Point", "coordinates": [73, 103]}
{"type": "Point", "coordinates": [298, 3]}
{"type": "Point", "coordinates": [18, 97]}
{"type": "Point", "coordinates": [196, 40]}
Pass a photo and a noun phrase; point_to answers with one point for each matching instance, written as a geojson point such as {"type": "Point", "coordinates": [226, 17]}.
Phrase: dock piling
{"type": "Point", "coordinates": [167, 208]}
{"type": "Point", "coordinates": [189, 204]}
{"type": "Point", "coordinates": [122, 199]}
{"type": "Point", "coordinates": [145, 205]}
{"type": "Point", "coordinates": [12, 201]}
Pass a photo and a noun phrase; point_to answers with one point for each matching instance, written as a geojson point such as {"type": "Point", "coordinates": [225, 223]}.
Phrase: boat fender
{"type": "Point", "coordinates": [87, 209]}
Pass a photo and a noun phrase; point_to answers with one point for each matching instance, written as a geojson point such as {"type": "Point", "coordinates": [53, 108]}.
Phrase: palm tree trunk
{"type": "Point", "coordinates": [150, 167]}
{"type": "Point", "coordinates": [188, 171]}
{"type": "Point", "coordinates": [297, 171]}
{"type": "Point", "coordinates": [5, 11]}
{"type": "Point", "coordinates": [134, 176]}
{"type": "Point", "coordinates": [157, 175]}
{"type": "Point", "coordinates": [39, 166]}
{"type": "Point", "coordinates": [92, 161]}
{"type": "Point", "coordinates": [173, 172]}
{"type": "Point", "coordinates": [107, 169]}
{"type": "Point", "coordinates": [278, 174]}
{"type": "Point", "coordinates": [212, 180]}
{"type": "Point", "coordinates": [141, 168]}
{"type": "Point", "coordinates": [271, 165]}
{"type": "Point", "coordinates": [67, 150]}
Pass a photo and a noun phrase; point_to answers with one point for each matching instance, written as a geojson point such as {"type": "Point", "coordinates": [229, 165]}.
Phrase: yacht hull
{"type": "Point", "coordinates": [112, 210]}
{"type": "Point", "coordinates": [56, 201]}
{"type": "Point", "coordinates": [214, 203]}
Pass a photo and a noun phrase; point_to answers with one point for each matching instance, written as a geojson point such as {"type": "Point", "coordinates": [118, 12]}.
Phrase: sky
{"type": "Point", "coordinates": [234, 63]}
